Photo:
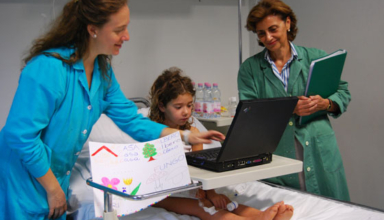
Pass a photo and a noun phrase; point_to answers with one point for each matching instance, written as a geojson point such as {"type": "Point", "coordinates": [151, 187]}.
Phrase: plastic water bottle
{"type": "Point", "coordinates": [216, 96]}
{"type": "Point", "coordinates": [202, 104]}
{"type": "Point", "coordinates": [232, 206]}
{"type": "Point", "coordinates": [232, 105]}
{"type": "Point", "coordinates": [199, 100]}
{"type": "Point", "coordinates": [208, 102]}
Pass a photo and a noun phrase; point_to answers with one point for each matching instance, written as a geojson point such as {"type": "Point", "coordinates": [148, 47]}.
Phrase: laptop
{"type": "Point", "coordinates": [252, 138]}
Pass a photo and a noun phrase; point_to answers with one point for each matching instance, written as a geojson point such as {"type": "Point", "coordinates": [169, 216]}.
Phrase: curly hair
{"type": "Point", "coordinates": [168, 86]}
{"type": "Point", "coordinates": [271, 7]}
{"type": "Point", "coordinates": [70, 30]}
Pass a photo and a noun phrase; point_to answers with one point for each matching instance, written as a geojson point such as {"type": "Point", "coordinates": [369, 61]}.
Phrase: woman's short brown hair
{"type": "Point", "coordinates": [271, 7]}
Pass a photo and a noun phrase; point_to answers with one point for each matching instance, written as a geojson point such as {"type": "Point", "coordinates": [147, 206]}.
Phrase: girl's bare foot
{"type": "Point", "coordinates": [284, 212]}
{"type": "Point", "coordinates": [271, 212]}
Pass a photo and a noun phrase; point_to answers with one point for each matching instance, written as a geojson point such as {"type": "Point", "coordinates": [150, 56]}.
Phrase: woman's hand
{"type": "Point", "coordinates": [195, 138]}
{"type": "Point", "coordinates": [57, 203]}
{"type": "Point", "coordinates": [55, 195]}
{"type": "Point", "coordinates": [218, 200]}
{"type": "Point", "coordinates": [205, 137]}
{"type": "Point", "coordinates": [309, 105]}
{"type": "Point", "coordinates": [322, 104]}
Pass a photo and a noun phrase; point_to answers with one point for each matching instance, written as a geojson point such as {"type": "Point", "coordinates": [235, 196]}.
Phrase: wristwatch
{"type": "Point", "coordinates": [329, 105]}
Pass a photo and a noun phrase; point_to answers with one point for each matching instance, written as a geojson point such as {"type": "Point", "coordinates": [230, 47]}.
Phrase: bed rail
{"type": "Point", "coordinates": [140, 100]}
{"type": "Point", "coordinates": [110, 214]}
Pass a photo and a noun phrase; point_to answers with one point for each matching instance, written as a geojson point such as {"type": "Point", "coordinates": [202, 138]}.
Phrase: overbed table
{"type": "Point", "coordinates": [278, 167]}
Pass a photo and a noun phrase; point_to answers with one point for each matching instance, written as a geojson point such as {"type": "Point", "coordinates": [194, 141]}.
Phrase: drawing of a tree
{"type": "Point", "coordinates": [149, 150]}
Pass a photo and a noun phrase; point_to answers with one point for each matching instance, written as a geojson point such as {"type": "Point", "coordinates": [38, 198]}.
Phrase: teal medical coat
{"type": "Point", "coordinates": [51, 117]}
{"type": "Point", "coordinates": [323, 166]}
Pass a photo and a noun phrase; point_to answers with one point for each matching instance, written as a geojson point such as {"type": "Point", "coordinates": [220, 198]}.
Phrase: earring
{"type": "Point", "coordinates": [289, 30]}
{"type": "Point", "coordinates": [94, 36]}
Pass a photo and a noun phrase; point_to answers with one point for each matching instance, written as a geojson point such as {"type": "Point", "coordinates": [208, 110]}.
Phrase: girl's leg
{"type": "Point", "coordinates": [247, 211]}
{"type": "Point", "coordinates": [187, 206]}
{"type": "Point", "coordinates": [278, 211]}
{"type": "Point", "coordinates": [268, 214]}
{"type": "Point", "coordinates": [243, 210]}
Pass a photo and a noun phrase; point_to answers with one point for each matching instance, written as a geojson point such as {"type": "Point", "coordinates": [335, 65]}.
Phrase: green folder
{"type": "Point", "coordinates": [324, 78]}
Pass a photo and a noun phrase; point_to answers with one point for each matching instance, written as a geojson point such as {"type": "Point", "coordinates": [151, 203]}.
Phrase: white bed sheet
{"type": "Point", "coordinates": [261, 196]}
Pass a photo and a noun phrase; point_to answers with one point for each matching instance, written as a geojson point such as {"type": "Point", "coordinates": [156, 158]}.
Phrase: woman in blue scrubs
{"type": "Point", "coordinates": [63, 89]}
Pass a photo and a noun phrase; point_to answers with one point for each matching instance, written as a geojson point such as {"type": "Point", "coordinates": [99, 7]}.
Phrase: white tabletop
{"type": "Point", "coordinates": [278, 167]}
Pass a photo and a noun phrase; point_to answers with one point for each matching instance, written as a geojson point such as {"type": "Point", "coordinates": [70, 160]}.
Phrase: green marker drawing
{"type": "Point", "coordinates": [149, 151]}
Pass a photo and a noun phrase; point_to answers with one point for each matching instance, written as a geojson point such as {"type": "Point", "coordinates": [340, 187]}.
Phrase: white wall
{"type": "Point", "coordinates": [202, 38]}
{"type": "Point", "coordinates": [199, 37]}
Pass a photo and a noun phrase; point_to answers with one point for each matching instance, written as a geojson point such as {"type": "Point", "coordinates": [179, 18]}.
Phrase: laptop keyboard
{"type": "Point", "coordinates": [210, 155]}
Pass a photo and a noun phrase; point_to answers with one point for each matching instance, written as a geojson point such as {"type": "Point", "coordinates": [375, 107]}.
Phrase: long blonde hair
{"type": "Point", "coordinates": [168, 86]}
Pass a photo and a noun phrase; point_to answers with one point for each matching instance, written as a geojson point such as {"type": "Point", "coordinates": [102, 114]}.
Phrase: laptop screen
{"type": "Point", "coordinates": [257, 127]}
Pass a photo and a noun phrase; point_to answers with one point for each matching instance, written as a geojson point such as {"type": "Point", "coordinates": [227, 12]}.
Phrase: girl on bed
{"type": "Point", "coordinates": [172, 104]}
{"type": "Point", "coordinates": [66, 84]}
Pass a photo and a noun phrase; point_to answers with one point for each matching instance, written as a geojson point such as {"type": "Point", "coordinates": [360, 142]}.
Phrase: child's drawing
{"type": "Point", "coordinates": [127, 182]}
{"type": "Point", "coordinates": [149, 150]}
{"type": "Point", "coordinates": [104, 148]}
{"type": "Point", "coordinates": [110, 183]}
{"type": "Point", "coordinates": [120, 167]}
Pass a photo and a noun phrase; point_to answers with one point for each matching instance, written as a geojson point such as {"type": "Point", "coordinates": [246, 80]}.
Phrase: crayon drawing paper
{"type": "Point", "coordinates": [137, 169]}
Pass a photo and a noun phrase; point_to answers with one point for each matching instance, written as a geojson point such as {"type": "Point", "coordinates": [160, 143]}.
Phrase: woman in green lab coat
{"type": "Point", "coordinates": [281, 70]}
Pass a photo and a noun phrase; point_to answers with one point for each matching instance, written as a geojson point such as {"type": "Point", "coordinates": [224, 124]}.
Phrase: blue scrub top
{"type": "Point", "coordinates": [51, 117]}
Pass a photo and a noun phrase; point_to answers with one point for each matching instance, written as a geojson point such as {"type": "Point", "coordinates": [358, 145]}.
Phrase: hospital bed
{"type": "Point", "coordinates": [257, 194]}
